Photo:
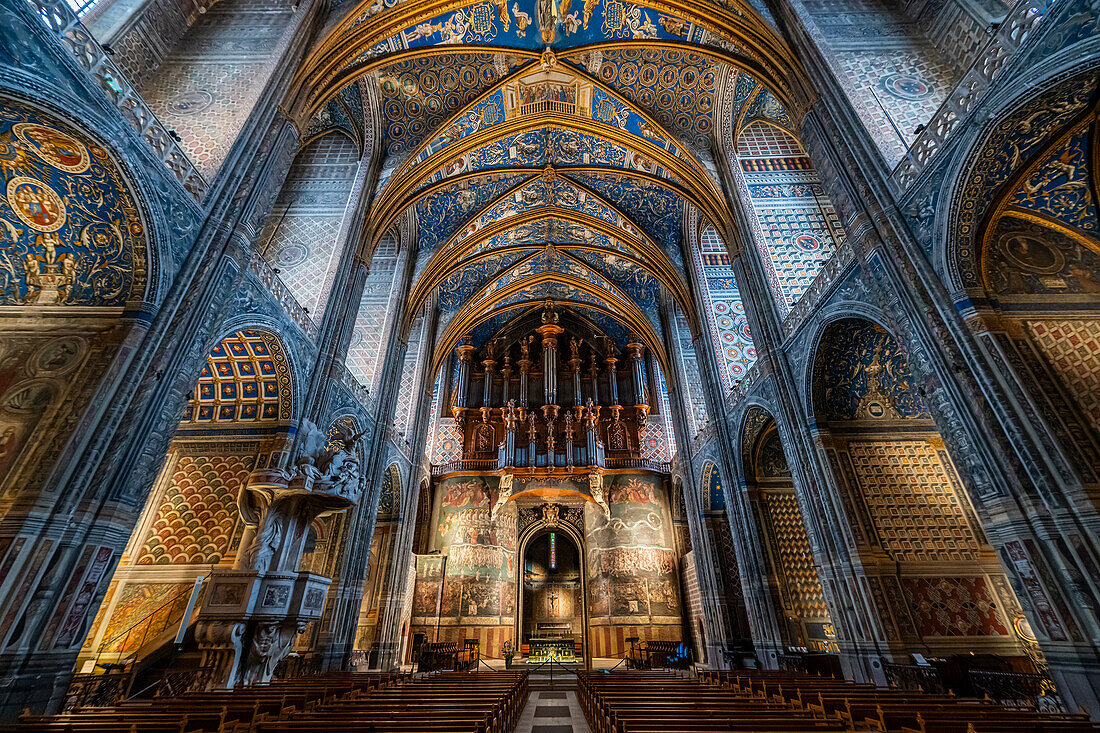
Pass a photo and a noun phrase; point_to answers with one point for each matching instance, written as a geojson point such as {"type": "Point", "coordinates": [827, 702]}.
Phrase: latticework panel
{"type": "Point", "coordinates": [912, 501]}
{"type": "Point", "coordinates": [795, 558]}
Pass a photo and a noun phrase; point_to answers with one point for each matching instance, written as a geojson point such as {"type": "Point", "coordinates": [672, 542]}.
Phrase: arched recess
{"type": "Point", "coordinates": [797, 229]}
{"type": "Point", "coordinates": [793, 577]}
{"type": "Point", "coordinates": [301, 237]}
{"type": "Point", "coordinates": [938, 585]}
{"type": "Point", "coordinates": [381, 553]}
{"type": "Point", "coordinates": [1024, 245]}
{"type": "Point", "coordinates": [716, 521]}
{"type": "Point", "coordinates": [75, 265]}
{"type": "Point", "coordinates": [694, 619]}
{"type": "Point", "coordinates": [237, 420]}
{"type": "Point", "coordinates": [571, 601]}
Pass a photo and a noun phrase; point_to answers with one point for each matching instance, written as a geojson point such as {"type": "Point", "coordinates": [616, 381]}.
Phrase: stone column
{"type": "Point", "coordinates": [392, 608]}
{"type": "Point", "coordinates": [842, 578]}
{"type": "Point", "coordinates": [67, 534]}
{"type": "Point", "coordinates": [711, 592]}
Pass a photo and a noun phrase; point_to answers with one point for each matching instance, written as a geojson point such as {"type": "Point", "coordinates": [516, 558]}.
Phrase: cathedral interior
{"type": "Point", "coordinates": [383, 341]}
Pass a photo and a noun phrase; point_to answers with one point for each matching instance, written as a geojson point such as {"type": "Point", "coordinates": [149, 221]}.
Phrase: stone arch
{"type": "Point", "coordinates": [716, 523]}
{"type": "Point", "coordinates": [531, 533]}
{"type": "Point", "coordinates": [975, 181]}
{"type": "Point", "coordinates": [247, 377]}
{"type": "Point", "coordinates": [286, 360]}
{"type": "Point", "coordinates": [68, 153]}
{"type": "Point", "coordinates": [237, 420]}
{"type": "Point", "coordinates": [381, 559]}
{"type": "Point", "coordinates": [905, 503]}
{"type": "Point", "coordinates": [76, 252]}
{"type": "Point", "coordinates": [793, 578]}
{"type": "Point", "coordinates": [1020, 248]}
{"type": "Point", "coordinates": [815, 338]}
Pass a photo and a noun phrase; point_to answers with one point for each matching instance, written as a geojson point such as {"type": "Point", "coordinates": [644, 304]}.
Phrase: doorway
{"type": "Point", "coordinates": [552, 600]}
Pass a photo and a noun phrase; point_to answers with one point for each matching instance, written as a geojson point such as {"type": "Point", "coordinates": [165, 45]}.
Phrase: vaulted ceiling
{"type": "Point", "coordinates": [550, 148]}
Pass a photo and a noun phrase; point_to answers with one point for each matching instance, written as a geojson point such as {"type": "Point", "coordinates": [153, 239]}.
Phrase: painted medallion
{"type": "Point", "coordinates": [54, 147]}
{"type": "Point", "coordinates": [36, 204]}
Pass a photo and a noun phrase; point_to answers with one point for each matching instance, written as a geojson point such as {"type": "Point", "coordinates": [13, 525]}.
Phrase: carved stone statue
{"type": "Point", "coordinates": [595, 488]}
{"type": "Point", "coordinates": [504, 493]}
{"type": "Point", "coordinates": [324, 481]}
{"type": "Point", "coordinates": [270, 644]}
{"type": "Point", "coordinates": [549, 315]}
{"type": "Point", "coordinates": [340, 470]}
{"type": "Point", "coordinates": [551, 514]}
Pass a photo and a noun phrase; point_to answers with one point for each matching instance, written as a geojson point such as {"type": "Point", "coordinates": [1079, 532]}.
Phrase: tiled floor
{"type": "Point", "coordinates": [552, 712]}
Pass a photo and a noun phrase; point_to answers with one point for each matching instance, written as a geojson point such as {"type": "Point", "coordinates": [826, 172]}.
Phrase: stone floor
{"type": "Point", "coordinates": [552, 712]}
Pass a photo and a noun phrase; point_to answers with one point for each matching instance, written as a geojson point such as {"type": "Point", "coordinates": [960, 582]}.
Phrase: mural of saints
{"type": "Point", "coordinates": [70, 233]}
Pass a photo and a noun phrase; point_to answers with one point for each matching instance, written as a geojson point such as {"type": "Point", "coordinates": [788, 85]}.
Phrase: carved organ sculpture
{"type": "Point", "coordinates": [550, 410]}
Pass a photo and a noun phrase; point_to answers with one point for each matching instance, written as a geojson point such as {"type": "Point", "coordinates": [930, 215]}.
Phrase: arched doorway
{"type": "Point", "coordinates": [550, 596]}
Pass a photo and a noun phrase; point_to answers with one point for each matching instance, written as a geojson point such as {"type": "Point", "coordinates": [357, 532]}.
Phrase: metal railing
{"type": "Point", "coordinates": [1016, 690]}
{"type": "Point", "coordinates": [1017, 26]}
{"type": "Point", "coordinates": [270, 279]}
{"type": "Point", "coordinates": [465, 464]}
{"type": "Point", "coordinates": [914, 677]}
{"type": "Point", "coordinates": [59, 18]}
{"type": "Point", "coordinates": [641, 463]}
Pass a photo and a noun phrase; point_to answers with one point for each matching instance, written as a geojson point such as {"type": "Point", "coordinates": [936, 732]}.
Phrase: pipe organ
{"type": "Point", "coordinates": [551, 411]}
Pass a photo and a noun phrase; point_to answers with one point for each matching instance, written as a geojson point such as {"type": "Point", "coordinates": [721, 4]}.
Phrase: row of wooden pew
{"type": "Point", "coordinates": [482, 702]}
{"type": "Point", "coordinates": [789, 702]}
{"type": "Point", "coordinates": [870, 707]}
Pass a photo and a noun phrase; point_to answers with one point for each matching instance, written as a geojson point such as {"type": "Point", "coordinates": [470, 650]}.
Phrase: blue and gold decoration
{"type": "Point", "coordinates": [70, 233]}
{"type": "Point", "coordinates": [861, 374]}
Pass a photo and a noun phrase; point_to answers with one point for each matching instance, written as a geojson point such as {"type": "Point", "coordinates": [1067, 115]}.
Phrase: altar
{"type": "Point", "coordinates": [542, 649]}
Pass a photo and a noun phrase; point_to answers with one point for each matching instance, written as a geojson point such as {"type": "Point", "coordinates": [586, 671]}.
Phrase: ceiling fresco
{"type": "Point", "coordinates": [246, 378]}
{"type": "Point", "coordinates": [420, 94]}
{"type": "Point", "coordinates": [551, 148]}
{"type": "Point", "coordinates": [674, 87]}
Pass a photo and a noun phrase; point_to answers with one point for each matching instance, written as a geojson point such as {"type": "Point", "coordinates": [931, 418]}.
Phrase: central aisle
{"type": "Point", "coordinates": [552, 712]}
